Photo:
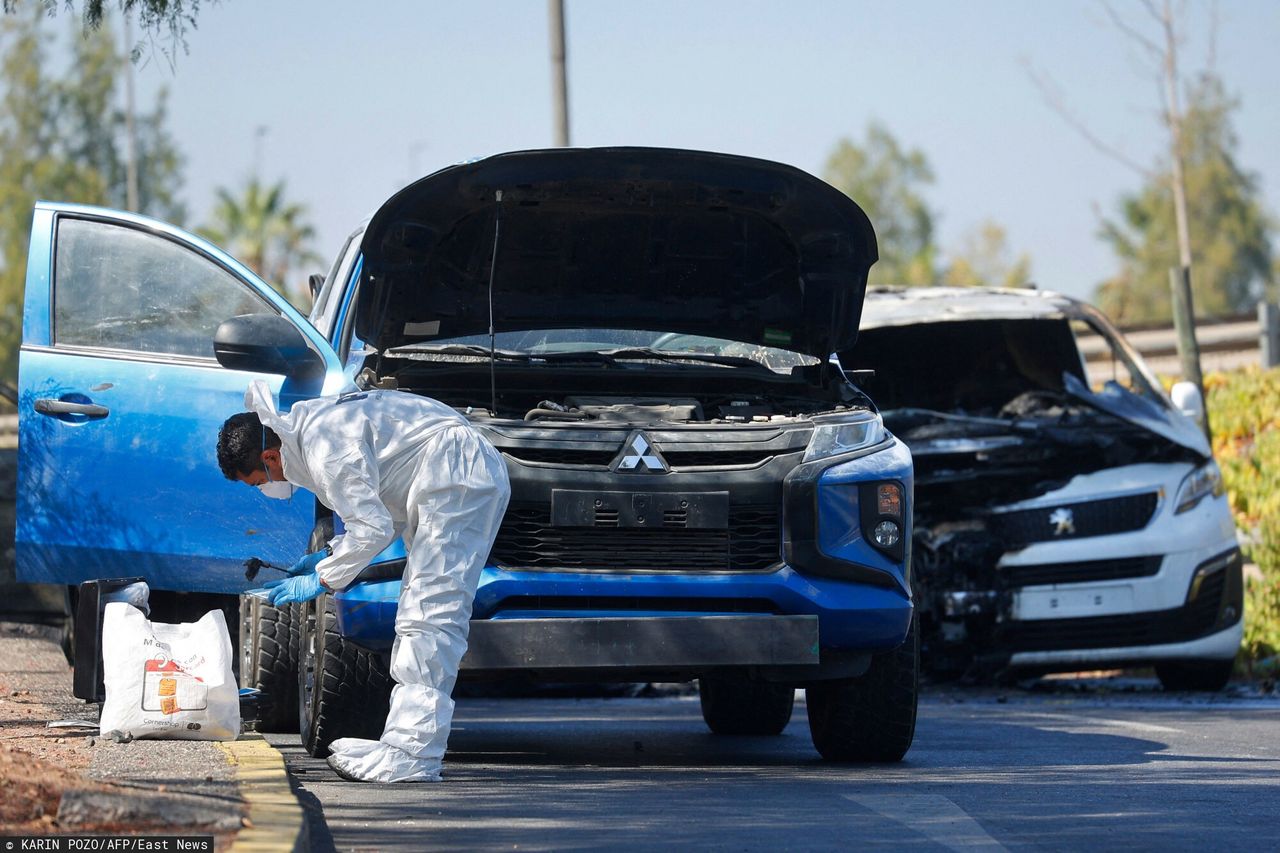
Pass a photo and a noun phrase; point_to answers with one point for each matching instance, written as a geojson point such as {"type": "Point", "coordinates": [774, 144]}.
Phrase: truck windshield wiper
{"type": "Point", "coordinates": [430, 352]}
{"type": "Point", "coordinates": [641, 353]}
{"type": "Point", "coordinates": [425, 352]}
{"type": "Point", "coordinates": [446, 352]}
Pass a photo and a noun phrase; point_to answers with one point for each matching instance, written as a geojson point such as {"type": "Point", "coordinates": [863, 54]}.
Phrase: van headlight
{"type": "Point", "coordinates": [832, 438]}
{"type": "Point", "coordinates": [1199, 484]}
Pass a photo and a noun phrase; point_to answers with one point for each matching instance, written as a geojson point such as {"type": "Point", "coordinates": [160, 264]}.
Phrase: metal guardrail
{"type": "Point", "coordinates": [1224, 344]}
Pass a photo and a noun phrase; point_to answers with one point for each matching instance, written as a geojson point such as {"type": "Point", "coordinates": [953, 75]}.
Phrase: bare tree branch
{"type": "Point", "coordinates": [1211, 61]}
{"type": "Point", "coordinates": [1052, 94]}
{"type": "Point", "coordinates": [1126, 28]}
{"type": "Point", "coordinates": [1153, 11]}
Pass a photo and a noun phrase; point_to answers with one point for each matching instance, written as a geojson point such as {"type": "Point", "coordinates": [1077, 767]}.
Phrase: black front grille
{"type": "Point", "coordinates": [1196, 618]}
{"type": "Point", "coordinates": [1089, 518]}
{"type": "Point", "coordinates": [675, 458]}
{"type": "Point", "coordinates": [1089, 570]}
{"type": "Point", "coordinates": [528, 540]}
{"type": "Point", "coordinates": [710, 458]}
{"type": "Point", "coordinates": [560, 455]}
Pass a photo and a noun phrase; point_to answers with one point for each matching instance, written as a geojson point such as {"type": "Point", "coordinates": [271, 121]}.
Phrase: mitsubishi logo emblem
{"type": "Point", "coordinates": [1063, 521]}
{"type": "Point", "coordinates": [639, 455]}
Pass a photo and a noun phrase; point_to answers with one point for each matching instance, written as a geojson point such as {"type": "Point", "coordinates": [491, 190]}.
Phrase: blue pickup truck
{"type": "Point", "coordinates": [651, 339]}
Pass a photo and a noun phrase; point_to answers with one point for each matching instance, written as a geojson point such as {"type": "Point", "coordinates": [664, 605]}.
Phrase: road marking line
{"type": "Point", "coordinates": [933, 816]}
{"type": "Point", "coordinates": [276, 821]}
{"type": "Point", "coordinates": [1101, 721]}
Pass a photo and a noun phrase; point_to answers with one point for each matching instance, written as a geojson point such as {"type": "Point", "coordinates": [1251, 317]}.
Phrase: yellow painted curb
{"type": "Point", "coordinates": [276, 821]}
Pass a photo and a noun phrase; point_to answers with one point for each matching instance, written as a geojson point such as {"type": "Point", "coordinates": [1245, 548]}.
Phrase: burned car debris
{"type": "Point", "coordinates": [1067, 515]}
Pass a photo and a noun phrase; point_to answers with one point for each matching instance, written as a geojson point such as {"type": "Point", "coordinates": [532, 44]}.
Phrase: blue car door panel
{"type": "Point", "coordinates": [120, 401]}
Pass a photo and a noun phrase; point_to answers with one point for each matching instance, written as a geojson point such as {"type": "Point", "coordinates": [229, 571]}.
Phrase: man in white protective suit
{"type": "Point", "coordinates": [387, 463]}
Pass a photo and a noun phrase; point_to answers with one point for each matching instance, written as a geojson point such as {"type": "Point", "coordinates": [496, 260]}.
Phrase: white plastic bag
{"type": "Point", "coordinates": [168, 681]}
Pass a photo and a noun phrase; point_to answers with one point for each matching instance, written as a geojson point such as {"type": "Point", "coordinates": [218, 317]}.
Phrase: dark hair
{"type": "Point", "coordinates": [240, 444]}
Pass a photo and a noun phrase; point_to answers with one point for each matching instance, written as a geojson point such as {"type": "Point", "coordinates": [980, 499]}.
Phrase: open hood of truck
{"type": "Point", "coordinates": [618, 238]}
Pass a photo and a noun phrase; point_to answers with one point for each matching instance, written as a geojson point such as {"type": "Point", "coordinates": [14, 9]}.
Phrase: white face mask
{"type": "Point", "coordinates": [281, 490]}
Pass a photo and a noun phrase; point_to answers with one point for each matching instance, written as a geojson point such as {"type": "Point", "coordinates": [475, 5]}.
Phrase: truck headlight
{"type": "Point", "coordinates": [882, 507]}
{"type": "Point", "coordinates": [832, 438]}
{"type": "Point", "coordinates": [1199, 484]}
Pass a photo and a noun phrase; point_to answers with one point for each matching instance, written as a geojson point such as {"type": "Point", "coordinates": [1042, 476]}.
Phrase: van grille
{"type": "Point", "coordinates": [1088, 518]}
{"type": "Point", "coordinates": [1088, 570]}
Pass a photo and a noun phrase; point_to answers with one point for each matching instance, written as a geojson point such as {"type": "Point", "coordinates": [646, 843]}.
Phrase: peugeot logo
{"type": "Point", "coordinates": [639, 455]}
{"type": "Point", "coordinates": [1063, 521]}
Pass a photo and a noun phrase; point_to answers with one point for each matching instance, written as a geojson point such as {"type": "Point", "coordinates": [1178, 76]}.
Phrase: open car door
{"type": "Point", "coordinates": [121, 399]}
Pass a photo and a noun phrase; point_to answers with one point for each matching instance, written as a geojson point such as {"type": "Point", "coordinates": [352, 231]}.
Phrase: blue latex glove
{"type": "Point", "coordinates": [291, 590]}
{"type": "Point", "coordinates": [307, 565]}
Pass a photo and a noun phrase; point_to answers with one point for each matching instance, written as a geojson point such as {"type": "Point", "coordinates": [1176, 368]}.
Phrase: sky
{"type": "Point", "coordinates": [349, 101]}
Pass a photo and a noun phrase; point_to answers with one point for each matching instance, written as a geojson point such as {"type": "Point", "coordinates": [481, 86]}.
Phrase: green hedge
{"type": "Point", "coordinates": [1244, 412]}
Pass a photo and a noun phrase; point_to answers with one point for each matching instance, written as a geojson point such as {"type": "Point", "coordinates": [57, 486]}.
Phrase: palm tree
{"type": "Point", "coordinates": [269, 235]}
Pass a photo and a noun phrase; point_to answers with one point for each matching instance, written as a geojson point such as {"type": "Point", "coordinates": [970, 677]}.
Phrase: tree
{"type": "Point", "coordinates": [983, 260]}
{"type": "Point", "coordinates": [94, 127]}
{"type": "Point", "coordinates": [1230, 232]}
{"type": "Point", "coordinates": [155, 16]}
{"type": "Point", "coordinates": [885, 179]}
{"type": "Point", "coordinates": [62, 136]}
{"type": "Point", "coordinates": [270, 235]}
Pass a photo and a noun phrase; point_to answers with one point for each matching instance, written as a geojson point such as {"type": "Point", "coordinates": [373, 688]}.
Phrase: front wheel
{"type": "Point", "coordinates": [871, 718]}
{"type": "Point", "coordinates": [343, 690]}
{"type": "Point", "coordinates": [1208, 676]}
{"type": "Point", "coordinates": [269, 643]}
{"type": "Point", "coordinates": [742, 707]}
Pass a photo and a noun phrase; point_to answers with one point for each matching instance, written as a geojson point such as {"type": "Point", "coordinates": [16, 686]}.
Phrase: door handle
{"type": "Point", "coordinates": [64, 407]}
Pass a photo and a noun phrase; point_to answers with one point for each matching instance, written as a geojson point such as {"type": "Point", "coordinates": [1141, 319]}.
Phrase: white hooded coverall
{"type": "Point", "coordinates": [391, 463]}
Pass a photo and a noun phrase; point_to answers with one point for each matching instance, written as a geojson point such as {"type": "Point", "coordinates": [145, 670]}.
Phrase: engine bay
{"type": "Point", "coordinates": [1008, 415]}
{"type": "Point", "coordinates": [655, 394]}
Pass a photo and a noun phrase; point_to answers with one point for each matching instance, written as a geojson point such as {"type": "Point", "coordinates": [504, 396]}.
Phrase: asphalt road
{"type": "Point", "coordinates": [1053, 770]}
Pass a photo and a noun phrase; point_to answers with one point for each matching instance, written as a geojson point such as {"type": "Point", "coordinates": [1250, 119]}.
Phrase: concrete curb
{"type": "Point", "coordinates": [276, 821]}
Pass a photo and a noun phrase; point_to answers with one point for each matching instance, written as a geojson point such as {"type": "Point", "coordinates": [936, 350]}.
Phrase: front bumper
{"type": "Point", "coordinates": [1207, 624]}
{"type": "Point", "coordinates": [851, 617]}
{"type": "Point", "coordinates": [1222, 645]}
{"type": "Point", "coordinates": [668, 643]}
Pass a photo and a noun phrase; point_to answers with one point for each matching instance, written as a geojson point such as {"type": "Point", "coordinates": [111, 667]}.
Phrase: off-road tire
{"type": "Point", "coordinates": [871, 718]}
{"type": "Point", "coordinates": [270, 639]}
{"type": "Point", "coordinates": [1207, 676]}
{"type": "Point", "coordinates": [743, 707]}
{"type": "Point", "coordinates": [343, 690]}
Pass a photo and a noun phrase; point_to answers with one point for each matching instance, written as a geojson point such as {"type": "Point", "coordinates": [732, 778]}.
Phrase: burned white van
{"type": "Point", "coordinates": [1068, 514]}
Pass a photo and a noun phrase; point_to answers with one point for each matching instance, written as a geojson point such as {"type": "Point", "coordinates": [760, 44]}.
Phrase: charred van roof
{"type": "Point", "coordinates": [632, 238]}
{"type": "Point", "coordinates": [904, 306]}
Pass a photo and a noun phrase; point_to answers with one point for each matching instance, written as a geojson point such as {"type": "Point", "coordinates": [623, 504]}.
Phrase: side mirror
{"type": "Point", "coordinates": [265, 343]}
{"type": "Point", "coordinates": [315, 281]}
{"type": "Point", "coordinates": [1187, 399]}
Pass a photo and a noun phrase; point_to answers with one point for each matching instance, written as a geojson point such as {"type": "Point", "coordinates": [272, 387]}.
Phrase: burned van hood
{"type": "Point", "coordinates": [888, 307]}
{"type": "Point", "coordinates": [906, 306]}
{"type": "Point", "coordinates": [622, 238]}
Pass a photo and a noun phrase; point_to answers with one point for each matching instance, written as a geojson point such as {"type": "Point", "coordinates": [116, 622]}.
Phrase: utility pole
{"type": "Point", "coordinates": [415, 155]}
{"type": "Point", "coordinates": [130, 124]}
{"type": "Point", "coordinates": [259, 139]}
{"type": "Point", "coordinates": [1184, 315]}
{"type": "Point", "coordinates": [559, 77]}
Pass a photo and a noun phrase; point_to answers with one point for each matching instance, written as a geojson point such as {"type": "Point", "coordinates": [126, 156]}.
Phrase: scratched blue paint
{"type": "Point", "coordinates": [139, 492]}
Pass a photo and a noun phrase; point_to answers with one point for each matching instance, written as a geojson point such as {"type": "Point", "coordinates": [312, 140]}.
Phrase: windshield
{"type": "Point", "coordinates": [548, 342]}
